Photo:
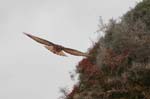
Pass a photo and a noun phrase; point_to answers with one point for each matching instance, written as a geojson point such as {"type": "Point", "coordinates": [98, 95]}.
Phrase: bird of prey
{"type": "Point", "coordinates": [56, 49]}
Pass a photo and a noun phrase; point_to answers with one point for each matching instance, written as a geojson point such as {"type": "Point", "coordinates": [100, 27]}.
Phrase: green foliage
{"type": "Point", "coordinates": [140, 12]}
{"type": "Point", "coordinates": [119, 65]}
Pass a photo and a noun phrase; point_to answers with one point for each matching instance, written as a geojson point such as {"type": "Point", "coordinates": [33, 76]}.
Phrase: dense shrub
{"type": "Point", "coordinates": [119, 63]}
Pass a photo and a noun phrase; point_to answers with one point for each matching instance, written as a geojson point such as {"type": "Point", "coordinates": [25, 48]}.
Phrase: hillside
{"type": "Point", "coordinates": [119, 65]}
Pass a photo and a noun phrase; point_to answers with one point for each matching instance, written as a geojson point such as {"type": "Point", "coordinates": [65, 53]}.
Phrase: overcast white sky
{"type": "Point", "coordinates": [28, 70]}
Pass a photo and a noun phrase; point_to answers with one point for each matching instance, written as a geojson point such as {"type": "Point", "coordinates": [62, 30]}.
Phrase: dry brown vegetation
{"type": "Point", "coordinates": [119, 66]}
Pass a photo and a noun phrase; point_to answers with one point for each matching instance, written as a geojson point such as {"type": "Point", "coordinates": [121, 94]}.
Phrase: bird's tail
{"type": "Point", "coordinates": [51, 48]}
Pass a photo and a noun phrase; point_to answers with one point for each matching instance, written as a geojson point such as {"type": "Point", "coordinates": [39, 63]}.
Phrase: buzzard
{"type": "Point", "coordinates": [55, 48]}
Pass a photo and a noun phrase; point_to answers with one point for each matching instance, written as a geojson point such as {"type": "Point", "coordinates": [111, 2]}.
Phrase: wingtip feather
{"type": "Point", "coordinates": [29, 35]}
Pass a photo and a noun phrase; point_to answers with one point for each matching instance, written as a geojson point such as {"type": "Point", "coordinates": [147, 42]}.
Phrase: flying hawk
{"type": "Point", "coordinates": [56, 49]}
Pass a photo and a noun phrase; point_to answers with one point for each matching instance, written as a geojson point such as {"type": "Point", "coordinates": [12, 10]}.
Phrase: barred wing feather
{"type": "Point", "coordinates": [39, 40]}
{"type": "Point", "coordinates": [75, 52]}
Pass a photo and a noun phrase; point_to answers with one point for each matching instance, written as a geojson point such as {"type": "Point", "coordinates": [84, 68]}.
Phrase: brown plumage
{"type": "Point", "coordinates": [56, 49]}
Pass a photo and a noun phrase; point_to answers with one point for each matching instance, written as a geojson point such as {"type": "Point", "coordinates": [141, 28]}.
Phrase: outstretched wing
{"type": "Point", "coordinates": [51, 48]}
{"type": "Point", "coordinates": [39, 40]}
{"type": "Point", "coordinates": [75, 52]}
